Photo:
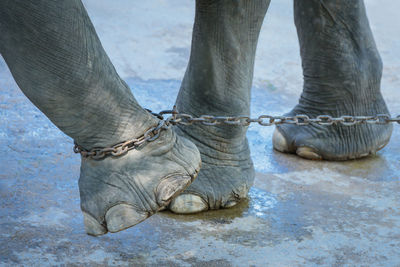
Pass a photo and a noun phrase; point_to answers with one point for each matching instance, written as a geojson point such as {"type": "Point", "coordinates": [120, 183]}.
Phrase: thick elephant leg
{"type": "Point", "coordinates": [56, 58]}
{"type": "Point", "coordinates": [342, 74]}
{"type": "Point", "coordinates": [218, 81]}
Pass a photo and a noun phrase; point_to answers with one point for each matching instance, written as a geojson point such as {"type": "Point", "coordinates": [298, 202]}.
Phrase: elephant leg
{"type": "Point", "coordinates": [218, 80]}
{"type": "Point", "coordinates": [57, 60]}
{"type": "Point", "coordinates": [342, 73]}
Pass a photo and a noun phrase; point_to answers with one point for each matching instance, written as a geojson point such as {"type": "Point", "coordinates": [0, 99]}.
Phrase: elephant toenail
{"type": "Point", "coordinates": [170, 187]}
{"type": "Point", "coordinates": [92, 226]}
{"type": "Point", "coordinates": [123, 216]}
{"type": "Point", "coordinates": [308, 153]}
{"type": "Point", "coordinates": [381, 146]}
{"type": "Point", "coordinates": [279, 141]}
{"type": "Point", "coordinates": [188, 203]}
{"type": "Point", "coordinates": [230, 204]}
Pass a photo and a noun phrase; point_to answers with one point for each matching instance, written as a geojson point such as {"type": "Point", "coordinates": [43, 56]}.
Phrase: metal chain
{"type": "Point", "coordinates": [177, 118]}
{"type": "Point", "coordinates": [268, 120]}
{"type": "Point", "coordinates": [123, 147]}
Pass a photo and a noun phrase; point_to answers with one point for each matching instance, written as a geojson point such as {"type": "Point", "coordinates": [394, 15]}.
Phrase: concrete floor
{"type": "Point", "coordinates": [299, 212]}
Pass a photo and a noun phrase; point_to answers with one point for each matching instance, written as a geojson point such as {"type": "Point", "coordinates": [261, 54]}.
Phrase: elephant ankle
{"type": "Point", "coordinates": [124, 127]}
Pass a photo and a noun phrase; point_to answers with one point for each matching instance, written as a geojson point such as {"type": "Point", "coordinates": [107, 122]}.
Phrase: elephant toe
{"type": "Point", "coordinates": [123, 216]}
{"type": "Point", "coordinates": [92, 226]}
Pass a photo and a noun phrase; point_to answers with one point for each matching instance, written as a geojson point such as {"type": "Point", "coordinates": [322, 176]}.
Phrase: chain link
{"type": "Point", "coordinates": [123, 147]}
{"type": "Point", "coordinates": [177, 118]}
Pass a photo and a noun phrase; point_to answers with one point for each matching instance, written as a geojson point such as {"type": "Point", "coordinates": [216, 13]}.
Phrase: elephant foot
{"type": "Point", "coordinates": [218, 82]}
{"type": "Point", "coordinates": [336, 142]}
{"type": "Point", "coordinates": [117, 193]}
{"type": "Point", "coordinates": [342, 72]}
{"type": "Point", "coordinates": [226, 175]}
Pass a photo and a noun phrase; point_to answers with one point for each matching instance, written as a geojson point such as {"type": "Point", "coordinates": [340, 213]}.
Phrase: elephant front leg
{"type": "Point", "coordinates": [342, 74]}
{"type": "Point", "coordinates": [56, 58]}
{"type": "Point", "coordinates": [217, 82]}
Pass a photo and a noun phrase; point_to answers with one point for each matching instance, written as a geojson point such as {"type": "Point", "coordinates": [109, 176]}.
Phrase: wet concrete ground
{"type": "Point", "coordinates": [299, 212]}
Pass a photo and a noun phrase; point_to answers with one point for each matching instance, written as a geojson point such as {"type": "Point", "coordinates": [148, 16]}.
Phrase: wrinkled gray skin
{"type": "Point", "coordinates": [57, 60]}
{"type": "Point", "coordinates": [218, 81]}
{"type": "Point", "coordinates": [342, 75]}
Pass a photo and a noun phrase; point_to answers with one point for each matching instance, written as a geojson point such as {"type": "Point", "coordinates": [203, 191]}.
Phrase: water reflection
{"type": "Point", "coordinates": [258, 205]}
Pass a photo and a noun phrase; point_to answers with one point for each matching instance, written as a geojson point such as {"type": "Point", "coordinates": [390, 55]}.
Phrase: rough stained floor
{"type": "Point", "coordinates": [299, 213]}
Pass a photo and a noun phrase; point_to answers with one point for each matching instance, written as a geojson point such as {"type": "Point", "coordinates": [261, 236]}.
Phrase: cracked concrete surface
{"type": "Point", "coordinates": [299, 212]}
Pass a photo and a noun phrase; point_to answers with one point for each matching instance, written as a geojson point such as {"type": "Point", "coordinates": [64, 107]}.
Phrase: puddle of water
{"type": "Point", "coordinates": [258, 204]}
